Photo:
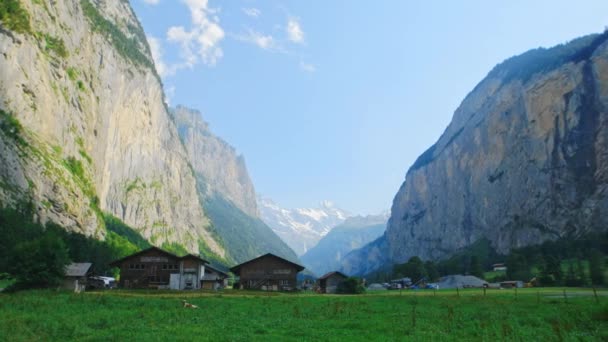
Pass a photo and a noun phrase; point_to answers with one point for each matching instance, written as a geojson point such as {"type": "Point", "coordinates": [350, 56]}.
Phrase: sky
{"type": "Point", "coordinates": [335, 100]}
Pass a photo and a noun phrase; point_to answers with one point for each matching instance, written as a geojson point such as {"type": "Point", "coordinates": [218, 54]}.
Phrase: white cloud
{"type": "Point", "coordinates": [151, 2]}
{"type": "Point", "coordinates": [252, 12]}
{"type": "Point", "coordinates": [266, 42]}
{"type": "Point", "coordinates": [294, 31]}
{"type": "Point", "coordinates": [201, 42]}
{"type": "Point", "coordinates": [307, 67]}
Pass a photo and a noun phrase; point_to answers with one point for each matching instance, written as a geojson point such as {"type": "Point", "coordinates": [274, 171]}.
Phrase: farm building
{"type": "Point", "coordinates": [511, 284]}
{"type": "Point", "coordinates": [157, 268]}
{"type": "Point", "coordinates": [268, 272]}
{"type": "Point", "coordinates": [76, 276]}
{"type": "Point", "coordinates": [214, 278]}
{"type": "Point", "coordinates": [329, 282]}
{"type": "Point", "coordinates": [499, 267]}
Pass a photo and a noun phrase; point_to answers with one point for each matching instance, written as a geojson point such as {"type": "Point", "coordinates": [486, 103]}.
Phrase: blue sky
{"type": "Point", "coordinates": [336, 99]}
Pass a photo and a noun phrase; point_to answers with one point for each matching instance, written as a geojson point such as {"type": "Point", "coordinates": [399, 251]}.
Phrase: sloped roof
{"type": "Point", "coordinates": [236, 269]}
{"type": "Point", "coordinates": [217, 269]}
{"type": "Point", "coordinates": [116, 263]}
{"type": "Point", "coordinates": [327, 275]}
{"type": "Point", "coordinates": [77, 269]}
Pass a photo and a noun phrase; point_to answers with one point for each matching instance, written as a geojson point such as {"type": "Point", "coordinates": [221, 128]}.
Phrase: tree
{"type": "Point", "coordinates": [551, 271]}
{"type": "Point", "coordinates": [517, 267]}
{"type": "Point", "coordinates": [475, 267]}
{"type": "Point", "coordinates": [431, 271]}
{"type": "Point", "coordinates": [413, 268]}
{"type": "Point", "coordinates": [596, 267]}
{"type": "Point", "coordinates": [39, 263]}
{"type": "Point", "coordinates": [351, 286]}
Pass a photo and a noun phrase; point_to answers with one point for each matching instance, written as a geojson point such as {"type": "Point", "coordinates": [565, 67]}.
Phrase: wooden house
{"type": "Point", "coordinates": [329, 282]}
{"type": "Point", "coordinates": [214, 278]}
{"type": "Point", "coordinates": [76, 276]}
{"type": "Point", "coordinates": [157, 268]}
{"type": "Point", "coordinates": [268, 272]}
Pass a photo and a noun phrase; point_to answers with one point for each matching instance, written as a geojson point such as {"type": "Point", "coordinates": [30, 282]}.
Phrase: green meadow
{"type": "Point", "coordinates": [529, 314]}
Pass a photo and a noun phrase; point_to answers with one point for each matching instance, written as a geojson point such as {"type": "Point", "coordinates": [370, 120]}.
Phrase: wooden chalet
{"type": "Point", "coordinates": [157, 268]}
{"type": "Point", "coordinates": [76, 276]}
{"type": "Point", "coordinates": [215, 278]}
{"type": "Point", "coordinates": [268, 272]}
{"type": "Point", "coordinates": [329, 282]}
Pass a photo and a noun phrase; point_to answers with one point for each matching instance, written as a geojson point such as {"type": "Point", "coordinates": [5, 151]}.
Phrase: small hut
{"type": "Point", "coordinates": [329, 282]}
{"type": "Point", "coordinates": [76, 276]}
{"type": "Point", "coordinates": [215, 278]}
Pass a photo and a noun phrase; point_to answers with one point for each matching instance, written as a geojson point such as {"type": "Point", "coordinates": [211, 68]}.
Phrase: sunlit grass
{"type": "Point", "coordinates": [539, 314]}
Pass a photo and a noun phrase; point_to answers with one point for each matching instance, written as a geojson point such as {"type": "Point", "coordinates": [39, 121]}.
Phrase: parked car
{"type": "Point", "coordinates": [101, 282]}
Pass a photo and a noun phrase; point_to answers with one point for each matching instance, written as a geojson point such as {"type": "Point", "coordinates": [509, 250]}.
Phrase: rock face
{"type": "Point", "coordinates": [94, 133]}
{"type": "Point", "coordinates": [354, 233]}
{"type": "Point", "coordinates": [524, 160]}
{"type": "Point", "coordinates": [226, 191]}
{"type": "Point", "coordinates": [221, 168]}
{"type": "Point", "coordinates": [301, 228]}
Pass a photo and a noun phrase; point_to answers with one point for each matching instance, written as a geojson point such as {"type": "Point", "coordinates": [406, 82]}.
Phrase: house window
{"type": "Point", "coordinates": [164, 266]}
{"type": "Point", "coordinates": [176, 266]}
{"type": "Point", "coordinates": [284, 282]}
{"type": "Point", "coordinates": [131, 266]}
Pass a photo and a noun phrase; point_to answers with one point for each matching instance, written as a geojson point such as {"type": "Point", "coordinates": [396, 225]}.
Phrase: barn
{"type": "Point", "coordinates": [159, 269]}
{"type": "Point", "coordinates": [215, 278]}
{"type": "Point", "coordinates": [329, 282]}
{"type": "Point", "coordinates": [268, 272]}
{"type": "Point", "coordinates": [76, 276]}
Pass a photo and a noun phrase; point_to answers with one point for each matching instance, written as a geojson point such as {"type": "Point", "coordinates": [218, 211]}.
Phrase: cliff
{"type": "Point", "coordinates": [524, 160]}
{"type": "Point", "coordinates": [85, 128]}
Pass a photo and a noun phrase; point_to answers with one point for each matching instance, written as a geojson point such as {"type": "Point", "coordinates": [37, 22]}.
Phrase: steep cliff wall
{"type": "Point", "coordinates": [222, 169]}
{"type": "Point", "coordinates": [226, 191]}
{"type": "Point", "coordinates": [524, 160]}
{"type": "Point", "coordinates": [93, 133]}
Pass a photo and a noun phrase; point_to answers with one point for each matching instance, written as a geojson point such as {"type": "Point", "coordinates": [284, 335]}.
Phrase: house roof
{"type": "Point", "coordinates": [236, 269]}
{"type": "Point", "coordinates": [327, 275]}
{"type": "Point", "coordinates": [116, 263]}
{"type": "Point", "coordinates": [77, 269]}
{"type": "Point", "coordinates": [192, 256]}
{"type": "Point", "coordinates": [217, 269]}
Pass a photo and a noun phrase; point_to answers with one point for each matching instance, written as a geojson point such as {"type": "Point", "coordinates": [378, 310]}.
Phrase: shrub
{"type": "Point", "coordinates": [351, 286]}
{"type": "Point", "coordinates": [14, 17]}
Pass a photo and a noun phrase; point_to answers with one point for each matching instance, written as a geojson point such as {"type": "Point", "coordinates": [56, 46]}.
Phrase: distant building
{"type": "Point", "coordinates": [329, 282]}
{"type": "Point", "coordinates": [511, 284]}
{"type": "Point", "coordinates": [499, 267]}
{"type": "Point", "coordinates": [159, 269]}
{"type": "Point", "coordinates": [214, 278]}
{"type": "Point", "coordinates": [76, 276]}
{"type": "Point", "coordinates": [268, 272]}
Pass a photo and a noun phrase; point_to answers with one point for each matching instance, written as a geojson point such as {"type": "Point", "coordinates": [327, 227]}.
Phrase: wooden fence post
{"type": "Point", "coordinates": [597, 300]}
{"type": "Point", "coordinates": [457, 292]}
{"type": "Point", "coordinates": [565, 296]}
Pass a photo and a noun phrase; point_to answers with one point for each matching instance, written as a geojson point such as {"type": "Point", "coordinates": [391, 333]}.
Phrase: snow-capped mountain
{"type": "Point", "coordinates": [301, 228]}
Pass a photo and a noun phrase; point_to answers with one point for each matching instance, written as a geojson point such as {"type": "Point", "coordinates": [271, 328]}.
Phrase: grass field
{"type": "Point", "coordinates": [535, 314]}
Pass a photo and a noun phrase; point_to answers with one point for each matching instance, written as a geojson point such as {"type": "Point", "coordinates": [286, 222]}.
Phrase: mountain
{"type": "Point", "coordinates": [524, 160]}
{"type": "Point", "coordinates": [301, 228]}
{"type": "Point", "coordinates": [226, 191]}
{"type": "Point", "coordinates": [353, 233]}
{"type": "Point", "coordinates": [84, 129]}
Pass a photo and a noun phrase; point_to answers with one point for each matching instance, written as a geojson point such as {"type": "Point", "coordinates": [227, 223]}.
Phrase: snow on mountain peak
{"type": "Point", "coordinates": [301, 228]}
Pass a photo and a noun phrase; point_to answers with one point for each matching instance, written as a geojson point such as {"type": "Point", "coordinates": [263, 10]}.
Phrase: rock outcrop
{"type": "Point", "coordinates": [223, 171]}
{"type": "Point", "coordinates": [524, 160]}
{"type": "Point", "coordinates": [86, 129]}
